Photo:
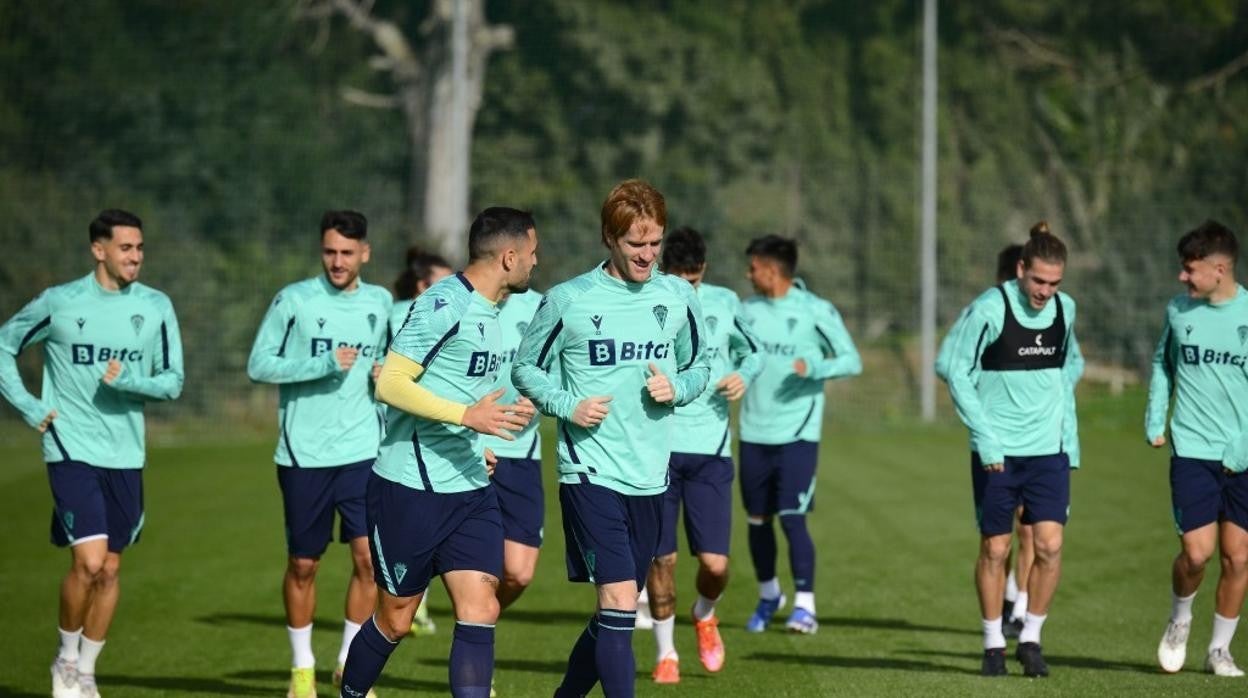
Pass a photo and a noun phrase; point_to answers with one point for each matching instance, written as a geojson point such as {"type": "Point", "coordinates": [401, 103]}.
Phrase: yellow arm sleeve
{"type": "Point", "coordinates": [397, 387]}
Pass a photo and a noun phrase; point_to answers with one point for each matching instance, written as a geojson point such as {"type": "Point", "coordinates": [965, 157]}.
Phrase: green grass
{"type": "Point", "coordinates": [201, 606]}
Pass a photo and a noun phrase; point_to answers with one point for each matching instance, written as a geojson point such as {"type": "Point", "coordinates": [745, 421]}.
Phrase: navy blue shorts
{"type": "Point", "coordinates": [309, 498]}
{"type": "Point", "coordinates": [778, 479]}
{"type": "Point", "coordinates": [704, 485]}
{"type": "Point", "coordinates": [610, 537]}
{"type": "Point", "coordinates": [1202, 492]}
{"type": "Point", "coordinates": [89, 502]}
{"type": "Point", "coordinates": [1041, 484]}
{"type": "Point", "coordinates": [416, 534]}
{"type": "Point", "coordinates": [520, 497]}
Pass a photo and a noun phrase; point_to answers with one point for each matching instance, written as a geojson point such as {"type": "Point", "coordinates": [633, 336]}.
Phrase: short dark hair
{"type": "Point", "coordinates": [1208, 238]}
{"type": "Point", "coordinates": [419, 268]}
{"type": "Point", "coordinates": [102, 227]}
{"type": "Point", "coordinates": [684, 251]}
{"type": "Point", "coordinates": [1007, 262]}
{"type": "Point", "coordinates": [349, 224]}
{"type": "Point", "coordinates": [778, 249]}
{"type": "Point", "coordinates": [493, 223]}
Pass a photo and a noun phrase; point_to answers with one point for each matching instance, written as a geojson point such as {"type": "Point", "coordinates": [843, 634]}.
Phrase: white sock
{"type": "Point", "coordinates": [349, 630]}
{"type": "Point", "coordinates": [806, 600]}
{"type": "Point", "coordinates": [993, 637]}
{"type": "Point", "coordinates": [301, 647]}
{"type": "Point", "coordinates": [88, 652]}
{"type": "Point", "coordinates": [1011, 587]}
{"type": "Point", "coordinates": [769, 589]}
{"type": "Point", "coordinates": [643, 598]}
{"type": "Point", "coordinates": [1181, 608]}
{"type": "Point", "coordinates": [1223, 631]}
{"type": "Point", "coordinates": [69, 644]}
{"type": "Point", "coordinates": [1020, 607]}
{"type": "Point", "coordinates": [704, 608]}
{"type": "Point", "coordinates": [664, 637]}
{"type": "Point", "coordinates": [1031, 628]}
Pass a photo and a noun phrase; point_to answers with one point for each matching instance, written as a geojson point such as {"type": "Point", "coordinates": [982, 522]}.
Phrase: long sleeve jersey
{"type": "Point", "coordinates": [1202, 362]}
{"type": "Point", "coordinates": [1009, 373]}
{"type": "Point", "coordinates": [514, 316]}
{"type": "Point", "coordinates": [83, 327]}
{"type": "Point", "coordinates": [731, 345]}
{"type": "Point", "coordinates": [604, 332]}
{"type": "Point", "coordinates": [782, 407]}
{"type": "Point", "coordinates": [326, 416]}
{"type": "Point", "coordinates": [452, 332]}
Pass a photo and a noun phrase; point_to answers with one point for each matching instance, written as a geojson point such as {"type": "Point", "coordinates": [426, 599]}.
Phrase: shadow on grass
{"type": "Point", "coordinates": [6, 691]}
{"type": "Point", "coordinates": [323, 679]}
{"type": "Point", "coordinates": [824, 660]}
{"type": "Point", "coordinates": [184, 684]}
{"type": "Point", "coordinates": [891, 624]}
{"type": "Point", "coordinates": [1056, 661]}
{"type": "Point", "coordinates": [269, 619]}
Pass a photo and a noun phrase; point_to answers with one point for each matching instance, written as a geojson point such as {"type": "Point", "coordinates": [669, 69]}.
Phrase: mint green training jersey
{"type": "Point", "coordinates": [325, 415]}
{"type": "Point", "coordinates": [83, 327]}
{"type": "Point", "coordinates": [1202, 360]}
{"type": "Point", "coordinates": [782, 407]}
{"type": "Point", "coordinates": [514, 315]}
{"type": "Point", "coordinates": [604, 332]}
{"type": "Point", "coordinates": [701, 427]}
{"type": "Point", "coordinates": [453, 333]}
{"type": "Point", "coordinates": [1013, 412]}
{"type": "Point", "coordinates": [1073, 372]}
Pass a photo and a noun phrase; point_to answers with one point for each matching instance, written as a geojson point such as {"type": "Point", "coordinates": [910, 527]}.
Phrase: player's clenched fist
{"type": "Point", "coordinates": [659, 386]}
{"type": "Point", "coordinates": [346, 357]}
{"type": "Point", "coordinates": [591, 411]}
{"type": "Point", "coordinates": [487, 416]}
{"type": "Point", "coordinates": [732, 387]}
{"type": "Point", "coordinates": [111, 373]}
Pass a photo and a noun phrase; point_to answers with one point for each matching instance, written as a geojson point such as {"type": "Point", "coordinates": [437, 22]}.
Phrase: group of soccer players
{"type": "Point", "coordinates": [414, 421]}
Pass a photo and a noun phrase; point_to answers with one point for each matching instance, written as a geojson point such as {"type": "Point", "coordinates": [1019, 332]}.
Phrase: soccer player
{"type": "Point", "coordinates": [420, 271]}
{"type": "Point", "coordinates": [318, 343]}
{"type": "Point", "coordinates": [431, 508]}
{"type": "Point", "coordinates": [701, 471]}
{"type": "Point", "coordinates": [1201, 361]}
{"type": "Point", "coordinates": [1007, 376]}
{"type": "Point", "coordinates": [110, 344]}
{"type": "Point", "coordinates": [804, 344]}
{"type": "Point", "coordinates": [631, 348]}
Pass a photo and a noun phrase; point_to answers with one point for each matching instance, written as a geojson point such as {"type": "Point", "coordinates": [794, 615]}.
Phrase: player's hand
{"type": "Point", "coordinates": [659, 386]}
{"type": "Point", "coordinates": [487, 416]}
{"type": "Point", "coordinates": [346, 357]}
{"type": "Point", "coordinates": [47, 422]}
{"type": "Point", "coordinates": [591, 411]}
{"type": "Point", "coordinates": [111, 373]}
{"type": "Point", "coordinates": [800, 367]}
{"type": "Point", "coordinates": [995, 467]}
{"type": "Point", "coordinates": [1158, 442]}
{"type": "Point", "coordinates": [732, 386]}
{"type": "Point", "coordinates": [491, 462]}
{"type": "Point", "coordinates": [376, 372]}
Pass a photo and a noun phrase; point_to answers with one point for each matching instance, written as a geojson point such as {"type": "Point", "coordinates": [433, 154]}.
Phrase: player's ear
{"type": "Point", "coordinates": [366, 251]}
{"type": "Point", "coordinates": [97, 251]}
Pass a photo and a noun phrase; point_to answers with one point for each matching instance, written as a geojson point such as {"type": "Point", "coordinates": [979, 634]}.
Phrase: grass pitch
{"type": "Point", "coordinates": [201, 609]}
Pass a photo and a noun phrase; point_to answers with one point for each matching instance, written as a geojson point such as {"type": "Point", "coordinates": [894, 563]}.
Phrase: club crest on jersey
{"type": "Point", "coordinates": [522, 327]}
{"type": "Point", "coordinates": [597, 320]}
{"type": "Point", "coordinates": [81, 321]}
{"type": "Point", "coordinates": [1243, 334]}
{"type": "Point", "coordinates": [69, 520]}
{"type": "Point", "coordinates": [400, 571]}
{"type": "Point", "coordinates": [372, 321]}
{"type": "Point", "coordinates": [660, 314]}
{"type": "Point", "coordinates": [712, 322]}
{"type": "Point", "coordinates": [438, 304]}
{"type": "Point", "coordinates": [791, 322]}
{"type": "Point", "coordinates": [320, 323]}
{"type": "Point", "coordinates": [136, 321]}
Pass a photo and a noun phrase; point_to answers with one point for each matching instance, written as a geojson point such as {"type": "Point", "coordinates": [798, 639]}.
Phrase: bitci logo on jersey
{"type": "Point", "coordinates": [1193, 355]}
{"type": "Point", "coordinates": [602, 352]}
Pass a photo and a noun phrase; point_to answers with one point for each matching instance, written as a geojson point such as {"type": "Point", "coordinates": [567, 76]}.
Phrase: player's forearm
{"type": "Point", "coordinates": [14, 391]}
{"type": "Point", "coordinates": [971, 411]}
{"type": "Point", "coordinates": [838, 367]}
{"type": "Point", "coordinates": [163, 386]}
{"type": "Point", "coordinates": [263, 368]}
{"type": "Point", "coordinates": [1160, 387]}
{"type": "Point", "coordinates": [750, 366]}
{"type": "Point", "coordinates": [397, 387]}
{"type": "Point", "coordinates": [536, 384]}
{"type": "Point", "coordinates": [690, 383]}
{"type": "Point", "coordinates": [1070, 431]}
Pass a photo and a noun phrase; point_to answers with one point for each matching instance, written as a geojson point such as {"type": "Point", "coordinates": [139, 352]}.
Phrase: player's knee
{"type": "Point", "coordinates": [1048, 548]}
{"type": "Point", "coordinates": [89, 567]}
{"type": "Point", "coordinates": [520, 576]}
{"type": "Point", "coordinates": [363, 567]}
{"type": "Point", "coordinates": [1235, 562]}
{"type": "Point", "coordinates": [482, 610]}
{"type": "Point", "coordinates": [995, 549]}
{"type": "Point", "coordinates": [665, 564]}
{"type": "Point", "coordinates": [303, 569]}
{"type": "Point", "coordinates": [715, 565]}
{"type": "Point", "coordinates": [109, 571]}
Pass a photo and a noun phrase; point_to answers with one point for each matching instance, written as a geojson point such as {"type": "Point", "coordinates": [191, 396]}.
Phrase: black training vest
{"type": "Point", "coordinates": [1022, 349]}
